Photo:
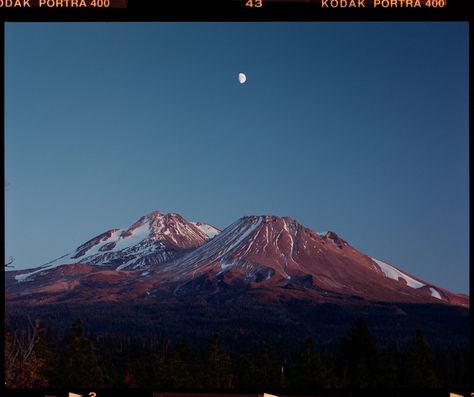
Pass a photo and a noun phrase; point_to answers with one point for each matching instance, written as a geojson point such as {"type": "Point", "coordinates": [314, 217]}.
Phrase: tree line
{"type": "Point", "coordinates": [39, 358]}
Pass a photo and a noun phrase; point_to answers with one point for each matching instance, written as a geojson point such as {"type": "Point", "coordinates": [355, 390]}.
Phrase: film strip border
{"type": "Point", "coordinates": [340, 4]}
{"type": "Point", "coordinates": [18, 4]}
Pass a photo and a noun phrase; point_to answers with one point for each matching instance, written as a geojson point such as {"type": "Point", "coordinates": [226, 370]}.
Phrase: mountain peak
{"type": "Point", "coordinates": [269, 219]}
{"type": "Point", "coordinates": [335, 239]}
{"type": "Point", "coordinates": [153, 215]}
{"type": "Point", "coordinates": [171, 228]}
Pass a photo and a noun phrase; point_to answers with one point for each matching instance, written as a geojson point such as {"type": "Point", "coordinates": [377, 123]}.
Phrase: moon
{"type": "Point", "coordinates": [242, 78]}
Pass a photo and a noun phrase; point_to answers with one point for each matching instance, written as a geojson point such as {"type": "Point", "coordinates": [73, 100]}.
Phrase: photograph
{"type": "Point", "coordinates": [266, 206]}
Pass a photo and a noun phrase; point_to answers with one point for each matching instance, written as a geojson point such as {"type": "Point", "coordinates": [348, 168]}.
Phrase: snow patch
{"type": "Point", "coordinates": [138, 235]}
{"type": "Point", "coordinates": [209, 230]}
{"type": "Point", "coordinates": [395, 274]}
{"type": "Point", "coordinates": [285, 226]}
{"type": "Point", "coordinates": [23, 277]}
{"type": "Point", "coordinates": [435, 293]}
{"type": "Point", "coordinates": [225, 266]}
{"type": "Point", "coordinates": [95, 249]}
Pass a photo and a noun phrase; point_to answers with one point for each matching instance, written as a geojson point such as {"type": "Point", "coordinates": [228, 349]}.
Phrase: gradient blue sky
{"type": "Point", "coordinates": [360, 128]}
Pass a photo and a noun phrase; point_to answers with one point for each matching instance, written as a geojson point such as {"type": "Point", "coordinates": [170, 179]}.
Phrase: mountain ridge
{"type": "Point", "coordinates": [164, 252]}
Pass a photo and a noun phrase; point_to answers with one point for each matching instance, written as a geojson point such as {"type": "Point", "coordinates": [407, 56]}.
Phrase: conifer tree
{"type": "Point", "coordinates": [418, 364]}
{"type": "Point", "coordinates": [183, 369]}
{"type": "Point", "coordinates": [219, 365]}
{"type": "Point", "coordinates": [309, 370]}
{"type": "Point", "coordinates": [268, 369]}
{"type": "Point", "coordinates": [78, 362]}
{"type": "Point", "coordinates": [360, 363]}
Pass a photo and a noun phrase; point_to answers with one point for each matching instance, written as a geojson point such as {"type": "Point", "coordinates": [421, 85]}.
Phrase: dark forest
{"type": "Point", "coordinates": [39, 357]}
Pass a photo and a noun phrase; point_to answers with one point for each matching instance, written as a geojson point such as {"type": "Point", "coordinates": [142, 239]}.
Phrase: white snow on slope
{"type": "Point", "coordinates": [95, 249]}
{"type": "Point", "coordinates": [23, 277]}
{"type": "Point", "coordinates": [138, 235]}
{"type": "Point", "coordinates": [122, 243]}
{"type": "Point", "coordinates": [395, 274]}
{"type": "Point", "coordinates": [435, 293]}
{"type": "Point", "coordinates": [210, 230]}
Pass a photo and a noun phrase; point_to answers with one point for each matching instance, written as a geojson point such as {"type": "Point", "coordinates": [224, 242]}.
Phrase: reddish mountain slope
{"type": "Point", "coordinates": [270, 251]}
{"type": "Point", "coordinates": [162, 254]}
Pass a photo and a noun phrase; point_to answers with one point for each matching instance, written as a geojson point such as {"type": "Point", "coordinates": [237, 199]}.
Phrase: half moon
{"type": "Point", "coordinates": [242, 78]}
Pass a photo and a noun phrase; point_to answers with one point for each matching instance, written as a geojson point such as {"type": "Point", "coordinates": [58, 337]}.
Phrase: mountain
{"type": "Point", "coordinates": [258, 275]}
{"type": "Point", "coordinates": [165, 251]}
{"type": "Point", "coordinates": [270, 251]}
{"type": "Point", "coordinates": [155, 238]}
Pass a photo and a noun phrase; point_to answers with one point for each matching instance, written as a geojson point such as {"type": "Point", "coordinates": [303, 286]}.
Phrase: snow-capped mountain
{"type": "Point", "coordinates": [155, 238]}
{"type": "Point", "coordinates": [273, 251]}
{"type": "Point", "coordinates": [164, 253]}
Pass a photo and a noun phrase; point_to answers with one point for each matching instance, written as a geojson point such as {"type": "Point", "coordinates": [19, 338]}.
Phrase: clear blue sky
{"type": "Point", "coordinates": [360, 128]}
